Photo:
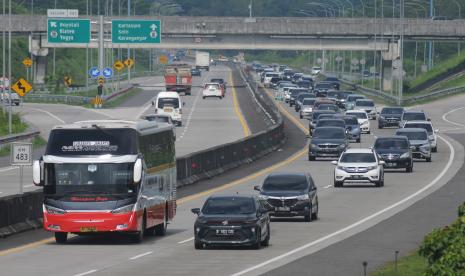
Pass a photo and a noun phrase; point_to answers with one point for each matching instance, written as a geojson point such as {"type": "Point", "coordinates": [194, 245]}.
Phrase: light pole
{"type": "Point", "coordinates": [460, 17]}
{"type": "Point", "coordinates": [9, 66]}
{"type": "Point", "coordinates": [430, 44]}
{"type": "Point", "coordinates": [401, 73]}
{"type": "Point", "coordinates": [250, 8]}
{"type": "Point", "coordinates": [3, 57]}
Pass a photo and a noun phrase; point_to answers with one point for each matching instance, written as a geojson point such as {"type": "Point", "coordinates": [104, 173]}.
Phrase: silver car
{"type": "Point", "coordinates": [419, 142]}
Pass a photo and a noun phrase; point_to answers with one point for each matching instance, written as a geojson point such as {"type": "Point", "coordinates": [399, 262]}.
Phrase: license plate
{"type": "Point", "coordinates": [168, 110]}
{"type": "Point", "coordinates": [283, 209]}
{"type": "Point", "coordinates": [356, 176]}
{"type": "Point", "coordinates": [391, 164]}
{"type": "Point", "coordinates": [88, 229]}
{"type": "Point", "coordinates": [224, 232]}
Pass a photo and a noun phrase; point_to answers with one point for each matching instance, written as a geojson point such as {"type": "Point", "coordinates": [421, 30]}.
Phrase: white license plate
{"type": "Point", "coordinates": [356, 176]}
{"type": "Point", "coordinates": [168, 110]}
{"type": "Point", "coordinates": [283, 209]}
{"type": "Point", "coordinates": [391, 164]}
{"type": "Point", "coordinates": [224, 232]}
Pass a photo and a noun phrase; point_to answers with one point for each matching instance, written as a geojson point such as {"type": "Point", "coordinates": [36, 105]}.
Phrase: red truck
{"type": "Point", "coordinates": [178, 78]}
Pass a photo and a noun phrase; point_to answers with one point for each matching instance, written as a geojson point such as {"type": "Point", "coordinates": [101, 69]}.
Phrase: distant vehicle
{"type": "Point", "coordinates": [395, 151]}
{"type": "Point", "coordinates": [97, 178]}
{"type": "Point", "coordinates": [412, 115]}
{"type": "Point", "coordinates": [339, 96]}
{"type": "Point", "coordinates": [332, 107]}
{"type": "Point", "coordinates": [323, 101]}
{"type": "Point", "coordinates": [202, 60]}
{"type": "Point", "coordinates": [327, 142]}
{"type": "Point", "coordinates": [305, 83]}
{"type": "Point", "coordinates": [294, 92]}
{"type": "Point", "coordinates": [300, 97]}
{"type": "Point", "coordinates": [169, 103]}
{"type": "Point", "coordinates": [316, 116]}
{"type": "Point", "coordinates": [196, 72]}
{"type": "Point", "coordinates": [362, 118]}
{"type": "Point", "coordinates": [357, 165]}
{"type": "Point", "coordinates": [321, 89]}
{"type": "Point", "coordinates": [390, 116]}
{"type": "Point", "coordinates": [15, 99]}
{"type": "Point", "coordinates": [212, 89]}
{"type": "Point", "coordinates": [178, 77]}
{"type": "Point", "coordinates": [296, 77]}
{"type": "Point", "coordinates": [306, 108]}
{"type": "Point", "coordinates": [287, 74]}
{"type": "Point", "coordinates": [368, 106]}
{"type": "Point", "coordinates": [334, 81]}
{"type": "Point", "coordinates": [316, 70]}
{"type": "Point", "coordinates": [428, 126]}
{"type": "Point", "coordinates": [334, 122]}
{"type": "Point", "coordinates": [268, 77]}
{"type": "Point", "coordinates": [351, 99]}
{"type": "Point", "coordinates": [418, 138]}
{"type": "Point", "coordinates": [221, 81]}
{"type": "Point", "coordinates": [232, 220]}
{"type": "Point", "coordinates": [290, 195]}
{"type": "Point", "coordinates": [440, 17]}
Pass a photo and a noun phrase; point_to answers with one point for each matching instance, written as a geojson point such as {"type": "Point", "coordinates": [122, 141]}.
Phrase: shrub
{"type": "Point", "coordinates": [462, 210]}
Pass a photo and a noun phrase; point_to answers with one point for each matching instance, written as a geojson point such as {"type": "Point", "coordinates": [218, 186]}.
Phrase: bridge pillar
{"type": "Point", "coordinates": [39, 55]}
{"type": "Point", "coordinates": [388, 57]}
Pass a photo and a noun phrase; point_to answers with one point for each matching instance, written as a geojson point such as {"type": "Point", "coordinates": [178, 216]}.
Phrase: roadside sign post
{"type": "Point", "coordinates": [21, 155]}
{"type": "Point", "coordinates": [118, 65]}
{"type": "Point", "coordinates": [27, 62]}
{"type": "Point", "coordinates": [65, 30]}
{"type": "Point", "coordinates": [21, 87]}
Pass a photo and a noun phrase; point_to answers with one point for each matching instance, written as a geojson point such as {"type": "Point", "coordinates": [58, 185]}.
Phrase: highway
{"type": "Point", "coordinates": [344, 212]}
{"type": "Point", "coordinates": [200, 118]}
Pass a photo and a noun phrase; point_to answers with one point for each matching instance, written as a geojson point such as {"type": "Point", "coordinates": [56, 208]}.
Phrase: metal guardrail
{"type": "Point", "coordinates": [29, 134]}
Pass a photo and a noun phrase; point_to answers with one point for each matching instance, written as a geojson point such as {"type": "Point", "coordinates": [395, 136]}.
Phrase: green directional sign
{"type": "Point", "coordinates": [135, 31]}
{"type": "Point", "coordinates": [68, 30]}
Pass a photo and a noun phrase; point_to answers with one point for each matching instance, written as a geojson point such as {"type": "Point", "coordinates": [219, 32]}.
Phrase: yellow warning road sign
{"type": "Point", "coordinates": [27, 62]}
{"type": "Point", "coordinates": [21, 87]}
{"type": "Point", "coordinates": [163, 59]}
{"type": "Point", "coordinates": [118, 65]}
{"type": "Point", "coordinates": [129, 62]}
{"type": "Point", "coordinates": [68, 80]}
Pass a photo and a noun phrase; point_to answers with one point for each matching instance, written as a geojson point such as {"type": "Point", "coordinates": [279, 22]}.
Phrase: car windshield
{"type": "Point", "coordinates": [160, 119]}
{"type": "Point", "coordinates": [359, 115]}
{"type": "Point", "coordinates": [414, 116]}
{"type": "Point", "coordinates": [329, 133]}
{"type": "Point", "coordinates": [217, 80]}
{"type": "Point", "coordinates": [391, 144]}
{"type": "Point", "coordinates": [392, 111]}
{"type": "Point", "coordinates": [337, 95]}
{"type": "Point", "coordinates": [323, 86]}
{"type": "Point", "coordinates": [229, 206]}
{"type": "Point", "coordinates": [411, 135]}
{"type": "Point", "coordinates": [285, 183]}
{"type": "Point", "coordinates": [428, 127]}
{"type": "Point", "coordinates": [351, 120]}
{"type": "Point", "coordinates": [308, 101]}
{"type": "Point", "coordinates": [358, 158]}
{"type": "Point", "coordinates": [354, 98]}
{"type": "Point", "coordinates": [334, 123]}
{"type": "Point", "coordinates": [364, 103]}
{"type": "Point", "coordinates": [316, 115]}
{"type": "Point", "coordinates": [168, 102]}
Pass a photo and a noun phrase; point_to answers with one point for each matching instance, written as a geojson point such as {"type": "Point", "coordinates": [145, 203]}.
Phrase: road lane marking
{"type": "Point", "coordinates": [141, 255]}
{"type": "Point", "coordinates": [189, 117]}
{"type": "Point", "coordinates": [444, 117]}
{"type": "Point", "coordinates": [237, 109]}
{"type": "Point", "coordinates": [360, 222]}
{"type": "Point", "coordinates": [327, 186]}
{"type": "Point", "coordinates": [188, 240]}
{"type": "Point", "coordinates": [26, 246]}
{"type": "Point", "coordinates": [49, 114]}
{"type": "Point", "coordinates": [87, 272]}
{"type": "Point", "coordinates": [5, 169]}
{"type": "Point", "coordinates": [29, 186]}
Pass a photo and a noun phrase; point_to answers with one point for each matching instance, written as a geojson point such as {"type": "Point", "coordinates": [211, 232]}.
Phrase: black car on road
{"type": "Point", "coordinates": [395, 151]}
{"type": "Point", "coordinates": [390, 116]}
{"type": "Point", "coordinates": [232, 220]}
{"type": "Point", "coordinates": [327, 142]}
{"type": "Point", "coordinates": [290, 195]}
{"type": "Point", "coordinates": [195, 72]}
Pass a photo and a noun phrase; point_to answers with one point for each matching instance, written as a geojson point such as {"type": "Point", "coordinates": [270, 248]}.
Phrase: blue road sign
{"type": "Point", "coordinates": [107, 72]}
{"type": "Point", "coordinates": [94, 72]}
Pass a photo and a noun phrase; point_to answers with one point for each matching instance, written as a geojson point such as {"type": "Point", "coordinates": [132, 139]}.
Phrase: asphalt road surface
{"type": "Point", "coordinates": [344, 212]}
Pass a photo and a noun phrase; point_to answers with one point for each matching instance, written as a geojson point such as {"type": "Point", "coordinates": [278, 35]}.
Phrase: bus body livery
{"type": "Point", "coordinates": [108, 176]}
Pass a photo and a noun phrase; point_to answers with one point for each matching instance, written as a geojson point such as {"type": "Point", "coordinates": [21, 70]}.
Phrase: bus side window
{"type": "Point", "coordinates": [161, 183]}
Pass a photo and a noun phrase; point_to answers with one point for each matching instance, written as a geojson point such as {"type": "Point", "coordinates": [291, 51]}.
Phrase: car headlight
{"type": "Point", "coordinates": [303, 197]}
{"type": "Point", "coordinates": [425, 147]}
{"type": "Point", "coordinates": [313, 146]}
{"type": "Point", "coordinates": [372, 168]}
{"type": "Point", "coordinates": [364, 123]}
{"type": "Point", "coordinates": [431, 137]}
{"type": "Point", "coordinates": [342, 168]}
{"type": "Point", "coordinates": [342, 146]}
{"type": "Point", "coordinates": [382, 117]}
{"type": "Point", "coordinates": [124, 210]}
{"type": "Point", "coordinates": [264, 197]}
{"type": "Point", "coordinates": [53, 210]}
{"type": "Point", "coordinates": [405, 155]}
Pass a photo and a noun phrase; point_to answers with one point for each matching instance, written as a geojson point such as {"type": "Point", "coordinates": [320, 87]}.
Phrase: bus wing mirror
{"type": "Point", "coordinates": [153, 103]}
{"type": "Point", "coordinates": [137, 171]}
{"type": "Point", "coordinates": [36, 173]}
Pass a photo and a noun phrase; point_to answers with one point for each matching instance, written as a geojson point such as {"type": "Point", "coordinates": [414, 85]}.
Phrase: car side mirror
{"type": "Point", "coordinates": [429, 120]}
{"type": "Point", "coordinates": [334, 162]}
{"type": "Point", "coordinates": [153, 103]}
{"type": "Point", "coordinates": [183, 103]}
{"type": "Point", "coordinates": [436, 130]}
{"type": "Point", "coordinates": [257, 188]}
{"type": "Point", "coordinates": [137, 176]}
{"type": "Point", "coordinates": [412, 147]}
{"type": "Point", "coordinates": [196, 211]}
{"type": "Point", "coordinates": [36, 173]}
{"type": "Point", "coordinates": [382, 163]}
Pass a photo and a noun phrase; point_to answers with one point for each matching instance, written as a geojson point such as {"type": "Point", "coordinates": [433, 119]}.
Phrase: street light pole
{"type": "Point", "coordinates": [401, 73]}
{"type": "Point", "coordinates": [3, 57]}
{"type": "Point", "coordinates": [430, 44]}
{"type": "Point", "coordinates": [9, 67]}
{"type": "Point", "coordinates": [129, 50]}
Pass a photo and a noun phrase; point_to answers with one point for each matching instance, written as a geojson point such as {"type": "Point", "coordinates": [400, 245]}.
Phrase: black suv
{"type": "Point", "coordinates": [327, 142]}
{"type": "Point", "coordinates": [289, 195]}
{"type": "Point", "coordinates": [390, 116]}
{"type": "Point", "coordinates": [232, 220]}
{"type": "Point", "coordinates": [395, 151]}
{"type": "Point", "coordinates": [315, 116]}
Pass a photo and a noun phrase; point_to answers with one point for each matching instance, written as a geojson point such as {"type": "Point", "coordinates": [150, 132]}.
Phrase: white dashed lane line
{"type": "Point", "coordinates": [141, 255]}
{"type": "Point", "coordinates": [87, 272]}
{"type": "Point", "coordinates": [188, 240]}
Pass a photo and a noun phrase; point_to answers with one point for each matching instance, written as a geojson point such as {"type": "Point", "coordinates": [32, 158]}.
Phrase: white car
{"type": "Point", "coordinates": [212, 89]}
{"type": "Point", "coordinates": [316, 70]}
{"type": "Point", "coordinates": [169, 103]}
{"type": "Point", "coordinates": [368, 106]}
{"type": "Point", "coordinates": [362, 118]}
{"type": "Point", "coordinates": [268, 77]}
{"type": "Point", "coordinates": [433, 139]}
{"type": "Point", "coordinates": [359, 165]}
{"type": "Point", "coordinates": [306, 109]}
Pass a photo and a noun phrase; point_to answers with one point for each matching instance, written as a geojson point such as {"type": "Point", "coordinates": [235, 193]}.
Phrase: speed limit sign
{"type": "Point", "coordinates": [21, 154]}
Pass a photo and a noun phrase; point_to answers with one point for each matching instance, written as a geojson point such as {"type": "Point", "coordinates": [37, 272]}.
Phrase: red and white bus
{"type": "Point", "coordinates": [108, 176]}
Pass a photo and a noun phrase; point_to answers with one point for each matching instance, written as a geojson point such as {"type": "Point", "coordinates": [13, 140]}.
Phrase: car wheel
{"type": "Point", "coordinates": [311, 158]}
{"type": "Point", "coordinates": [266, 241]}
{"type": "Point", "coordinates": [309, 217]}
{"type": "Point", "coordinates": [315, 215]}
{"type": "Point", "coordinates": [368, 132]}
{"type": "Point", "coordinates": [428, 159]}
{"type": "Point", "coordinates": [409, 169]}
{"type": "Point", "coordinates": [139, 236]}
{"type": "Point", "coordinates": [204, 97]}
{"type": "Point", "coordinates": [258, 243]}
{"type": "Point", "coordinates": [359, 140]}
{"type": "Point", "coordinates": [435, 149]}
{"type": "Point", "coordinates": [197, 244]}
{"type": "Point", "coordinates": [337, 184]}
{"type": "Point", "coordinates": [61, 237]}
{"type": "Point", "coordinates": [301, 117]}
{"type": "Point", "coordinates": [160, 229]}
{"type": "Point", "coordinates": [380, 126]}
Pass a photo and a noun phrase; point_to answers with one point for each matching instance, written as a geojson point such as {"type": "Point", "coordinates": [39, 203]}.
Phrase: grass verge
{"type": "Point", "coordinates": [411, 265]}
{"type": "Point", "coordinates": [115, 102]}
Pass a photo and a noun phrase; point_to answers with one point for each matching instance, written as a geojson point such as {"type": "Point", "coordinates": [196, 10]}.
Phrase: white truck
{"type": "Point", "coordinates": [202, 60]}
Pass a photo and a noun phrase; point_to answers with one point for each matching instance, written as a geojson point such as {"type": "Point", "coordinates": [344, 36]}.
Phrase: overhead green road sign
{"type": "Point", "coordinates": [135, 31]}
{"type": "Point", "coordinates": [68, 30]}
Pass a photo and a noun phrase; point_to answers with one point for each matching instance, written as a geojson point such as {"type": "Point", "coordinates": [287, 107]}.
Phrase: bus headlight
{"type": "Point", "coordinates": [53, 210]}
{"type": "Point", "coordinates": [124, 210]}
